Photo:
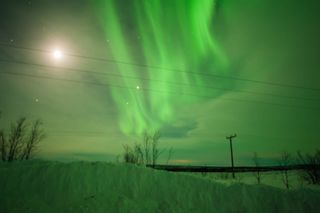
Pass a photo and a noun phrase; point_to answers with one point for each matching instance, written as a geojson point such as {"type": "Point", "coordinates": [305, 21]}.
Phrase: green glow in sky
{"type": "Point", "coordinates": [269, 41]}
{"type": "Point", "coordinates": [169, 34]}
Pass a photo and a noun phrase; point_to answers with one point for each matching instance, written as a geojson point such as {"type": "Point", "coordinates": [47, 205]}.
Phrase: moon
{"type": "Point", "coordinates": [57, 54]}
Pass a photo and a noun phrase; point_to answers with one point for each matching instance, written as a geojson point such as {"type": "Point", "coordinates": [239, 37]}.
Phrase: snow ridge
{"type": "Point", "coordinates": [40, 186]}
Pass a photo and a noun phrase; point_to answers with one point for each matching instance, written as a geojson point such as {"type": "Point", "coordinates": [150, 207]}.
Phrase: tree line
{"type": "Point", "coordinates": [309, 166]}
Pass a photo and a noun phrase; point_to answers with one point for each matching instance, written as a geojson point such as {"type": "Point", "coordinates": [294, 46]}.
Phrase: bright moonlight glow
{"type": "Point", "coordinates": [57, 54]}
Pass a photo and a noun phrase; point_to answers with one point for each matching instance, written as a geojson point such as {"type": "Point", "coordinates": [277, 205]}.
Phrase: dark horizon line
{"type": "Point", "coordinates": [229, 169]}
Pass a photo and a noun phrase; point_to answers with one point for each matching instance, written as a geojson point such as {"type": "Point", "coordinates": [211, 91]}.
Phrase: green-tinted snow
{"type": "Point", "coordinates": [104, 187]}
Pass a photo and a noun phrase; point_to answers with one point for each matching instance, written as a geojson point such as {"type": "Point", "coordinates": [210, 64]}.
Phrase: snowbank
{"type": "Point", "coordinates": [272, 178]}
{"type": "Point", "coordinates": [104, 187]}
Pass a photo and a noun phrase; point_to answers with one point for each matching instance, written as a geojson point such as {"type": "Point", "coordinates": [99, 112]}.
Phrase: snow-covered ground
{"type": "Point", "coordinates": [274, 178]}
{"type": "Point", "coordinates": [37, 186]}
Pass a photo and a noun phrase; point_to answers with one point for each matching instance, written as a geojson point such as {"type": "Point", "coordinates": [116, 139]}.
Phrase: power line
{"type": "Point", "coordinates": [154, 80]}
{"type": "Point", "coordinates": [165, 68]}
{"type": "Point", "coordinates": [157, 91]}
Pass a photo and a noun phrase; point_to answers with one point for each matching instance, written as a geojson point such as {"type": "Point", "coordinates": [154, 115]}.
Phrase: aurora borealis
{"type": "Point", "coordinates": [181, 38]}
{"type": "Point", "coordinates": [197, 70]}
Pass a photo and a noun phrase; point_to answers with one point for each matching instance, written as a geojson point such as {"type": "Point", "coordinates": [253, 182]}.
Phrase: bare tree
{"type": "Point", "coordinates": [3, 146]}
{"type": "Point", "coordinates": [311, 170]}
{"type": "Point", "coordinates": [16, 139]}
{"type": "Point", "coordinates": [31, 144]}
{"type": "Point", "coordinates": [155, 150]}
{"type": "Point", "coordinates": [20, 144]}
{"type": "Point", "coordinates": [138, 153]}
{"type": "Point", "coordinates": [146, 153]}
{"type": "Point", "coordinates": [128, 155]}
{"type": "Point", "coordinates": [285, 161]}
{"type": "Point", "coordinates": [146, 147]}
{"type": "Point", "coordinates": [256, 161]}
{"type": "Point", "coordinates": [170, 153]}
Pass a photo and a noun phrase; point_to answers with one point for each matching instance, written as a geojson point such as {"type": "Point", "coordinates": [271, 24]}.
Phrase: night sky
{"type": "Point", "coordinates": [197, 70]}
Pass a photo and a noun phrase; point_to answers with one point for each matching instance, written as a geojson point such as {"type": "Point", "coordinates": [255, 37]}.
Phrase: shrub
{"type": "Point", "coordinates": [285, 161]}
{"type": "Point", "coordinates": [145, 153]}
{"type": "Point", "coordinates": [311, 167]}
{"type": "Point", "coordinates": [256, 161]}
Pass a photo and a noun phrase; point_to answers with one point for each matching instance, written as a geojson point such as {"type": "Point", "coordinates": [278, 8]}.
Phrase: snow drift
{"type": "Point", "coordinates": [104, 187]}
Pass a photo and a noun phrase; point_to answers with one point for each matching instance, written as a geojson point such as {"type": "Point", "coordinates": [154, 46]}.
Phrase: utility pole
{"type": "Point", "coordinates": [231, 150]}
